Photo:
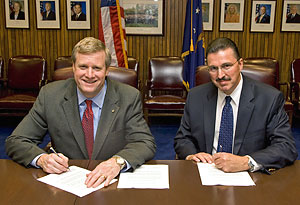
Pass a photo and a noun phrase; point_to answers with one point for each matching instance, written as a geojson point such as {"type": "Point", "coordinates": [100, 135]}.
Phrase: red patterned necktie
{"type": "Point", "coordinates": [88, 127]}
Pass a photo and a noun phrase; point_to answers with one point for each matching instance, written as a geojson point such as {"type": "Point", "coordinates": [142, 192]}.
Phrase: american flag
{"type": "Point", "coordinates": [112, 31]}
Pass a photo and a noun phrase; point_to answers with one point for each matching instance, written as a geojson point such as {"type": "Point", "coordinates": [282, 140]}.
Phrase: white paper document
{"type": "Point", "coordinates": [71, 181]}
{"type": "Point", "coordinates": [210, 175]}
{"type": "Point", "coordinates": [146, 177]}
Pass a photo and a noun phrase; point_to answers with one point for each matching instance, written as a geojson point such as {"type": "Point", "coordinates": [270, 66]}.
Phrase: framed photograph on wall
{"type": "Point", "coordinates": [16, 13]}
{"type": "Point", "coordinates": [291, 16]}
{"type": "Point", "coordinates": [207, 14]}
{"type": "Point", "coordinates": [47, 14]}
{"type": "Point", "coordinates": [78, 14]}
{"type": "Point", "coordinates": [263, 16]}
{"type": "Point", "coordinates": [144, 17]}
{"type": "Point", "coordinates": [232, 15]}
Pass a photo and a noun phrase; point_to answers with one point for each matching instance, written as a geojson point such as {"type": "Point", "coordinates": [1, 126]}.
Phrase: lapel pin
{"type": "Point", "coordinates": [112, 111]}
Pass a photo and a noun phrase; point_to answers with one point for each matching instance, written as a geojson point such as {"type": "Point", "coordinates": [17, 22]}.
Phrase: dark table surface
{"type": "Point", "coordinates": [19, 186]}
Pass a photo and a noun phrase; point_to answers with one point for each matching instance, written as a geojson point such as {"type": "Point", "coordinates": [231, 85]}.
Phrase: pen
{"type": "Point", "coordinates": [220, 150]}
{"type": "Point", "coordinates": [53, 150]}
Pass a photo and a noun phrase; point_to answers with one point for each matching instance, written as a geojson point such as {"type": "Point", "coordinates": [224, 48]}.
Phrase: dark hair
{"type": "Point", "coordinates": [222, 44]}
{"type": "Point", "coordinates": [78, 5]}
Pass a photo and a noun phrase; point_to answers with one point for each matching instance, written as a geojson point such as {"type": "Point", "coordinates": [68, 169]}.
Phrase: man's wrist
{"type": "Point", "coordinates": [120, 161]}
{"type": "Point", "coordinates": [251, 165]}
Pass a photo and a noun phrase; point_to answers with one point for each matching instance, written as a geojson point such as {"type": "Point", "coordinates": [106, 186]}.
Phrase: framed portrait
{"type": "Point", "coordinates": [207, 14]}
{"type": "Point", "coordinates": [78, 14]}
{"type": "Point", "coordinates": [47, 14]}
{"type": "Point", "coordinates": [291, 16]}
{"type": "Point", "coordinates": [232, 15]}
{"type": "Point", "coordinates": [144, 17]}
{"type": "Point", "coordinates": [263, 16]}
{"type": "Point", "coordinates": [16, 13]}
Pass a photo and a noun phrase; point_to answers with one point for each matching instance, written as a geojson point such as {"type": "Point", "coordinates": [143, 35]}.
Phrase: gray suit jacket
{"type": "Point", "coordinates": [122, 129]}
{"type": "Point", "coordinates": [262, 129]}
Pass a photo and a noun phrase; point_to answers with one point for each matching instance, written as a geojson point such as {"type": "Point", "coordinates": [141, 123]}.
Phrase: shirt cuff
{"type": "Point", "coordinates": [33, 162]}
{"type": "Point", "coordinates": [257, 166]}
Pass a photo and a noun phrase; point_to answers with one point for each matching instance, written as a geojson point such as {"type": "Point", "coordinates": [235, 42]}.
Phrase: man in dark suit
{"type": "Point", "coordinates": [293, 17]}
{"type": "Point", "coordinates": [263, 16]}
{"type": "Point", "coordinates": [78, 14]}
{"type": "Point", "coordinates": [88, 117]}
{"type": "Point", "coordinates": [48, 14]}
{"type": "Point", "coordinates": [17, 14]}
{"type": "Point", "coordinates": [235, 122]}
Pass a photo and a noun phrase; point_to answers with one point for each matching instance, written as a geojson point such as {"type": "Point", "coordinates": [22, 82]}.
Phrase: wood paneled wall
{"type": "Point", "coordinates": [51, 43]}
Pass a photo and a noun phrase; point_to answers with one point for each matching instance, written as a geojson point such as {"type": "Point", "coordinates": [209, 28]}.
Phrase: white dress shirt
{"type": "Point", "coordinates": [235, 101]}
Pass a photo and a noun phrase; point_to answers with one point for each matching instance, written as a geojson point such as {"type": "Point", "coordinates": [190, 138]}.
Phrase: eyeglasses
{"type": "Point", "coordinates": [224, 67]}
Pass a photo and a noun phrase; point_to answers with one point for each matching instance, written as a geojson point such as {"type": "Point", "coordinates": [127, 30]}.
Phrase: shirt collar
{"type": "Point", "coordinates": [235, 95]}
{"type": "Point", "coordinates": [98, 99]}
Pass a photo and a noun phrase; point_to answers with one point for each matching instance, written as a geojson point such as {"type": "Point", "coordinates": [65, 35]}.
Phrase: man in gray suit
{"type": "Point", "coordinates": [235, 122]}
{"type": "Point", "coordinates": [88, 117]}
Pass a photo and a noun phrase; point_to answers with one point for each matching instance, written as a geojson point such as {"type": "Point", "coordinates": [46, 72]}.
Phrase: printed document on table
{"type": "Point", "coordinates": [210, 175]}
{"type": "Point", "coordinates": [72, 181]}
{"type": "Point", "coordinates": [146, 177]}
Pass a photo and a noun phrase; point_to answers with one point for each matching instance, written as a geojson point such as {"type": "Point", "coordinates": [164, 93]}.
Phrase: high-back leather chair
{"type": "Point", "coordinates": [165, 93]}
{"type": "Point", "coordinates": [260, 70]}
{"type": "Point", "coordinates": [62, 62]}
{"type": "Point", "coordinates": [122, 75]}
{"type": "Point", "coordinates": [1, 67]}
{"type": "Point", "coordinates": [295, 83]}
{"type": "Point", "coordinates": [274, 65]}
{"type": "Point", "coordinates": [25, 76]}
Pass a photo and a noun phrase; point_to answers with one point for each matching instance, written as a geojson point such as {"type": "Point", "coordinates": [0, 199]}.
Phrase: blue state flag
{"type": "Point", "coordinates": [193, 42]}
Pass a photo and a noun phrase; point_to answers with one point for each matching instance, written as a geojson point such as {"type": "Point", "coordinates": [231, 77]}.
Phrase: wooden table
{"type": "Point", "coordinates": [282, 187]}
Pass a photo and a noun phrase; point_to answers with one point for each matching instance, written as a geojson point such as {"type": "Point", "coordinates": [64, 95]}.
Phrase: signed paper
{"type": "Point", "coordinates": [146, 177]}
{"type": "Point", "coordinates": [210, 175]}
{"type": "Point", "coordinates": [71, 181]}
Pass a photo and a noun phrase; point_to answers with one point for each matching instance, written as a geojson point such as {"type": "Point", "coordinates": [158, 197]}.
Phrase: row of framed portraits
{"type": "Point", "coordinates": [262, 15]}
{"type": "Point", "coordinates": [47, 14]}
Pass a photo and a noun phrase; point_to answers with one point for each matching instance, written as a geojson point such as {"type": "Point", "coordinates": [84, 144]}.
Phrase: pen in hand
{"type": "Point", "coordinates": [53, 150]}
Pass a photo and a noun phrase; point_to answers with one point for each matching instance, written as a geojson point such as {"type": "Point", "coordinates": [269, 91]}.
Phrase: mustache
{"type": "Point", "coordinates": [223, 79]}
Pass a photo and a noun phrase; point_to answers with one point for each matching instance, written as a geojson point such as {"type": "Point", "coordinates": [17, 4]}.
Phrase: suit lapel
{"type": "Point", "coordinates": [210, 117]}
{"type": "Point", "coordinates": [245, 111]}
{"type": "Point", "coordinates": [70, 107]}
{"type": "Point", "coordinates": [109, 112]}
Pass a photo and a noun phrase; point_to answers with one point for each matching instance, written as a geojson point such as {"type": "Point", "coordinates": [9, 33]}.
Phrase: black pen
{"type": "Point", "coordinates": [53, 150]}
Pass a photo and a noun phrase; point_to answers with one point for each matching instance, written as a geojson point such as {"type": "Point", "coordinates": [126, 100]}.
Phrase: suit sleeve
{"type": "Point", "coordinates": [280, 147]}
{"type": "Point", "coordinates": [22, 144]}
{"type": "Point", "coordinates": [140, 145]}
{"type": "Point", "coordinates": [184, 143]}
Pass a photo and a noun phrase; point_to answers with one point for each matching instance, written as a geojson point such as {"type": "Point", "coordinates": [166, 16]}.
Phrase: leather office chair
{"type": "Point", "coordinates": [295, 83]}
{"type": "Point", "coordinates": [62, 62]}
{"type": "Point", "coordinates": [25, 76]}
{"type": "Point", "coordinates": [274, 65]}
{"type": "Point", "coordinates": [165, 93]}
{"type": "Point", "coordinates": [1, 67]}
{"type": "Point", "coordinates": [122, 75]}
{"type": "Point", "coordinates": [265, 72]}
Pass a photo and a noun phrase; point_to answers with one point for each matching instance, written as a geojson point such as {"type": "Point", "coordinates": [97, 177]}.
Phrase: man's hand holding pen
{"type": "Point", "coordinates": [53, 163]}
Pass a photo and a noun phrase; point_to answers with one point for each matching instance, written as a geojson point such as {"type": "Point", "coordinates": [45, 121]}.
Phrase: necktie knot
{"type": "Point", "coordinates": [89, 105]}
{"type": "Point", "coordinates": [228, 99]}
